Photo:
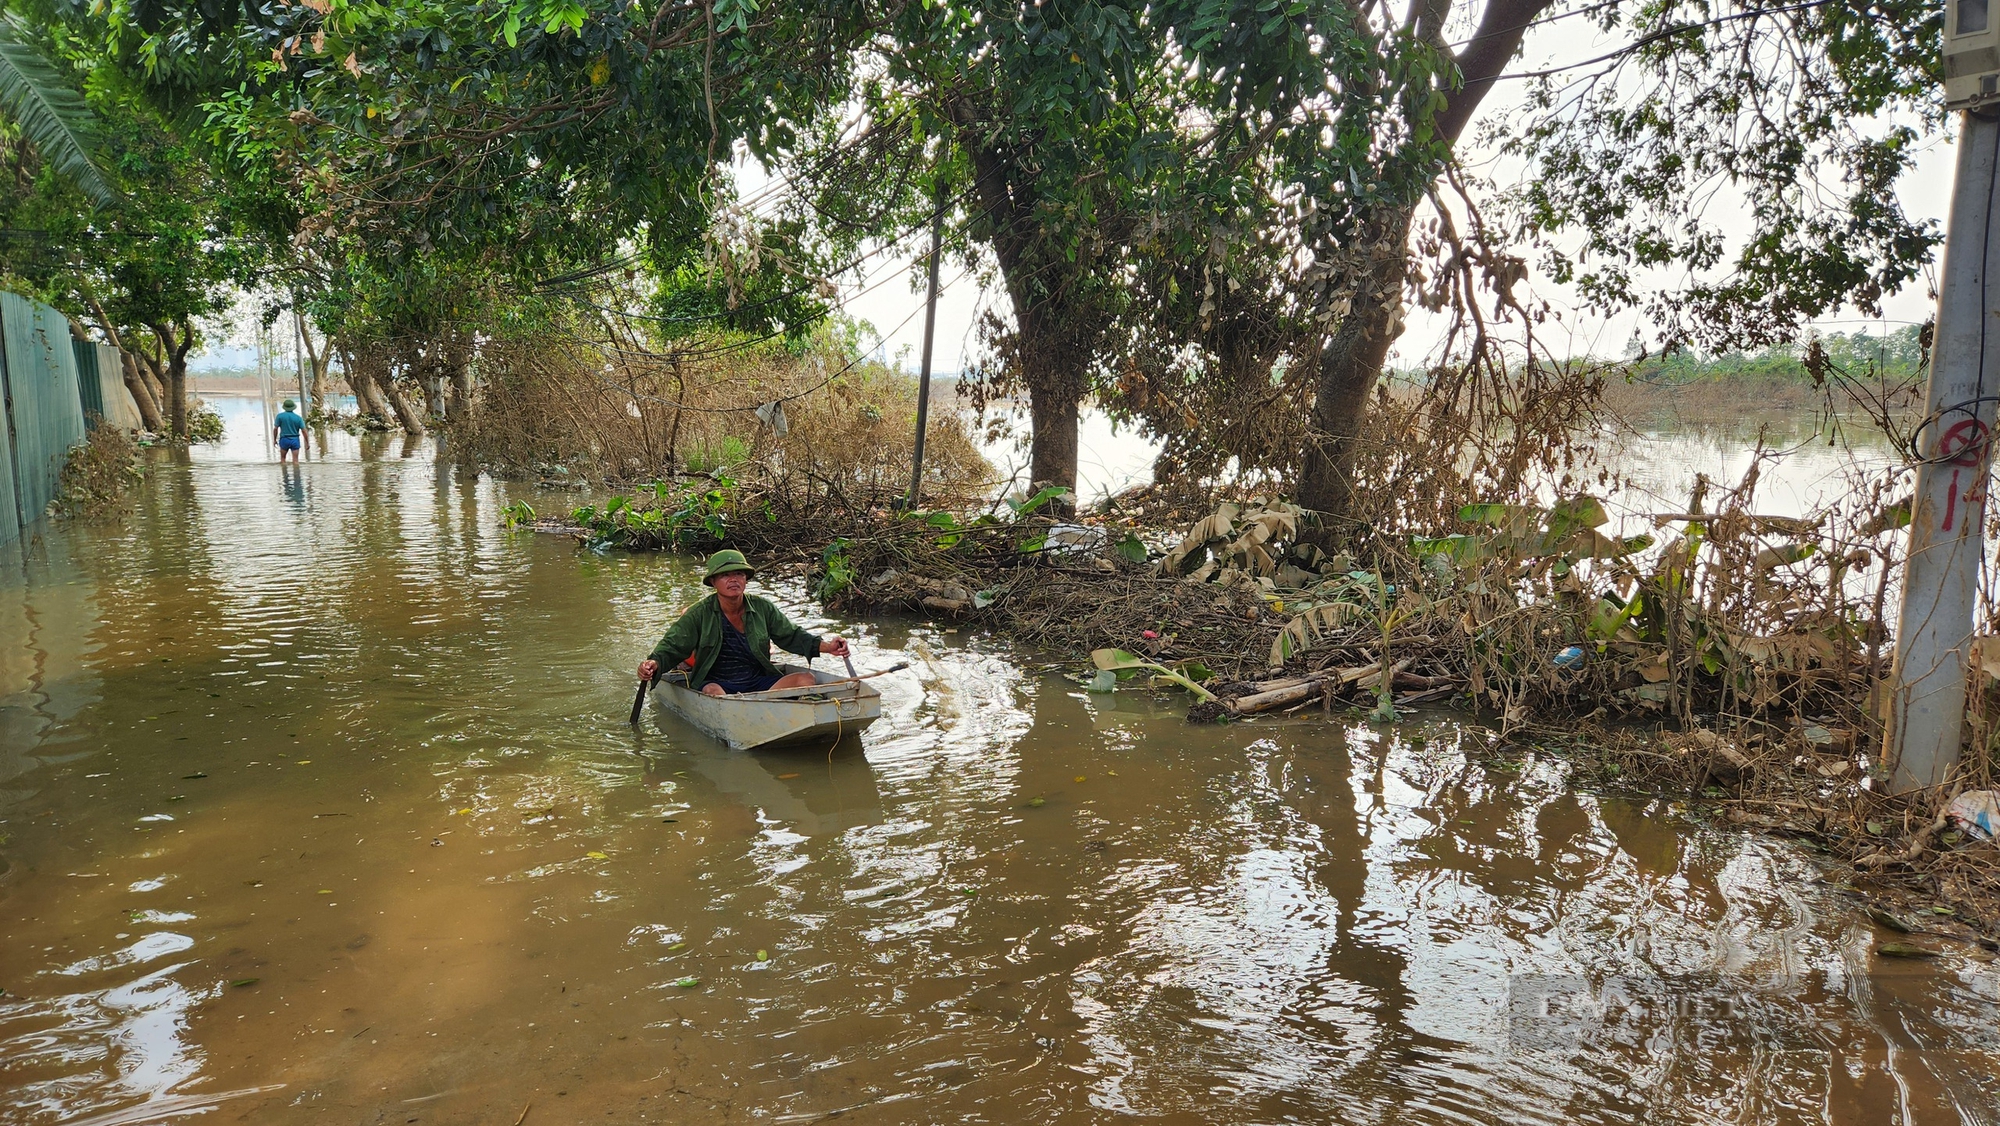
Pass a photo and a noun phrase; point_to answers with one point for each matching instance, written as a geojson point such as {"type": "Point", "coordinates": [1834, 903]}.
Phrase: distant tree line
{"type": "Point", "coordinates": [1897, 356]}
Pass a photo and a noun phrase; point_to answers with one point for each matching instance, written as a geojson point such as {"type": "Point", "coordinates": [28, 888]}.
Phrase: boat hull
{"type": "Point", "coordinates": [780, 718]}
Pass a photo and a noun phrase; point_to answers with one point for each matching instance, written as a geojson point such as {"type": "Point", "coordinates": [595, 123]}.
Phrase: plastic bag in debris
{"type": "Point", "coordinates": [1075, 539]}
{"type": "Point", "coordinates": [1978, 812]}
{"type": "Point", "coordinates": [772, 414]}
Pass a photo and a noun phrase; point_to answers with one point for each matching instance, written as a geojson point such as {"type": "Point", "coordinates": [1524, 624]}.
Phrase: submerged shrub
{"type": "Point", "coordinates": [97, 475]}
{"type": "Point", "coordinates": [203, 423]}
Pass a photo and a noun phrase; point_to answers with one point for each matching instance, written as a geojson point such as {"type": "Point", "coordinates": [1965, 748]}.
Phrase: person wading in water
{"type": "Point", "coordinates": [729, 635]}
{"type": "Point", "coordinates": [290, 431]}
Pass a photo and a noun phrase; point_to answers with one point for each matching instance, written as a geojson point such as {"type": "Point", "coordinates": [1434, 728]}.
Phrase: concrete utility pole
{"type": "Point", "coordinates": [930, 333]}
{"type": "Point", "coordinates": [1947, 517]}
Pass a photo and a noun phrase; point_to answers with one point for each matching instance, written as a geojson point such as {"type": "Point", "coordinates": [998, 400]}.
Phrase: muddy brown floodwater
{"type": "Point", "coordinates": [320, 807]}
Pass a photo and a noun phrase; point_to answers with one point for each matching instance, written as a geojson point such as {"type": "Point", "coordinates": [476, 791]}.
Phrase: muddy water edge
{"type": "Point", "coordinates": [319, 806]}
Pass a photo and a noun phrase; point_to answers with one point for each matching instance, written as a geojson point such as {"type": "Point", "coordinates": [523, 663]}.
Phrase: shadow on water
{"type": "Point", "coordinates": [318, 803]}
{"type": "Point", "coordinates": [812, 791]}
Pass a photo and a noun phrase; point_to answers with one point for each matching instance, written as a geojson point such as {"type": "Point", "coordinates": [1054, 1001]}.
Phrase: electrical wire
{"type": "Point", "coordinates": [777, 189]}
{"type": "Point", "coordinates": [1970, 406]}
{"type": "Point", "coordinates": [881, 248]}
{"type": "Point", "coordinates": [750, 408]}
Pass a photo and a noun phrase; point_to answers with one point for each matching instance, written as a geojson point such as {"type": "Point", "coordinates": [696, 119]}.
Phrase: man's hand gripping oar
{"type": "Point", "coordinates": [645, 682]}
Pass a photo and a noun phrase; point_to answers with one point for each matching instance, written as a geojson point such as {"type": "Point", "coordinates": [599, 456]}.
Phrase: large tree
{"type": "Point", "coordinates": [1642, 156]}
{"type": "Point", "coordinates": [117, 221]}
{"type": "Point", "coordinates": [1091, 140]}
{"type": "Point", "coordinates": [438, 160]}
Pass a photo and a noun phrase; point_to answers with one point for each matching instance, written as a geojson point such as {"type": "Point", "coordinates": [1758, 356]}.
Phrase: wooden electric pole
{"type": "Point", "coordinates": [1947, 516]}
{"type": "Point", "coordinates": [930, 333]}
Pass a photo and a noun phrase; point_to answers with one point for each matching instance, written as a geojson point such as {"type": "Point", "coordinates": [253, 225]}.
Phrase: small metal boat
{"type": "Point", "coordinates": [823, 713]}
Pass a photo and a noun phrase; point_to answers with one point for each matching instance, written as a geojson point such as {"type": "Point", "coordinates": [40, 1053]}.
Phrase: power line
{"type": "Point", "coordinates": [774, 299]}
{"type": "Point", "coordinates": [874, 138]}
{"type": "Point", "coordinates": [849, 366]}
{"type": "Point", "coordinates": [1663, 33]}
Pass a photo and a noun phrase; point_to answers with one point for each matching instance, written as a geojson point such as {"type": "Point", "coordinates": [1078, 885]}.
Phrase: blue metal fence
{"type": "Point", "coordinates": [44, 408]}
{"type": "Point", "coordinates": [89, 385]}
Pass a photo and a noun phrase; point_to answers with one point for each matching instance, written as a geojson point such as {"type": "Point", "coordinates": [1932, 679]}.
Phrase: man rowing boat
{"type": "Point", "coordinates": [729, 634]}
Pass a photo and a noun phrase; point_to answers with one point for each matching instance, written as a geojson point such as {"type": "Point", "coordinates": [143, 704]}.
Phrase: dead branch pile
{"type": "Point", "coordinates": [803, 423]}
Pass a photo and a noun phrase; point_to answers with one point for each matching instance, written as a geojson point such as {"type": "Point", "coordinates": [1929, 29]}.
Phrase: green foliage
{"type": "Point", "coordinates": [119, 222]}
{"type": "Point", "coordinates": [1123, 661]}
{"type": "Point", "coordinates": [836, 571]}
{"type": "Point", "coordinates": [51, 115]}
{"type": "Point", "coordinates": [520, 514]}
{"type": "Point", "coordinates": [728, 450]}
{"type": "Point", "coordinates": [1159, 181]}
{"type": "Point", "coordinates": [664, 516]}
{"type": "Point", "coordinates": [1897, 355]}
{"type": "Point", "coordinates": [1025, 508]}
{"type": "Point", "coordinates": [1560, 535]}
{"type": "Point", "coordinates": [597, 119]}
{"type": "Point", "coordinates": [1803, 124]}
{"type": "Point", "coordinates": [204, 424]}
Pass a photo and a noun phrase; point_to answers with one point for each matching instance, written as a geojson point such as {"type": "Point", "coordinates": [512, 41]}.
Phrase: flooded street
{"type": "Point", "coordinates": [320, 806]}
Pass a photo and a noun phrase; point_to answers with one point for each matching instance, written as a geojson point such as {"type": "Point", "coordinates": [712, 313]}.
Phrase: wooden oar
{"type": "Point", "coordinates": [808, 689]}
{"type": "Point", "coordinates": [639, 701]}
{"type": "Point", "coordinates": [897, 667]}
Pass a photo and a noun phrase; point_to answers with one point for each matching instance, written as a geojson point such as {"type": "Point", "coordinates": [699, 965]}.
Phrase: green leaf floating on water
{"type": "Point", "coordinates": [763, 955]}
{"type": "Point", "coordinates": [242, 982]}
{"type": "Point", "coordinates": [1888, 920]}
{"type": "Point", "coordinates": [1037, 803]}
{"type": "Point", "coordinates": [1116, 660]}
{"type": "Point", "coordinates": [688, 982]}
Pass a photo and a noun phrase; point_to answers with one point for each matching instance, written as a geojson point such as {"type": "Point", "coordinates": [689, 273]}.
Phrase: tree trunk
{"type": "Point", "coordinates": [1052, 454]}
{"type": "Point", "coordinates": [1353, 359]}
{"type": "Point", "coordinates": [379, 373]}
{"type": "Point", "coordinates": [317, 361]}
{"type": "Point", "coordinates": [459, 366]}
{"type": "Point", "coordinates": [1348, 368]}
{"type": "Point", "coordinates": [153, 371]}
{"type": "Point", "coordinates": [1055, 337]}
{"type": "Point", "coordinates": [141, 388]}
{"type": "Point", "coordinates": [177, 393]}
{"type": "Point", "coordinates": [367, 398]}
{"type": "Point", "coordinates": [145, 395]}
{"type": "Point", "coordinates": [400, 403]}
{"type": "Point", "coordinates": [175, 340]}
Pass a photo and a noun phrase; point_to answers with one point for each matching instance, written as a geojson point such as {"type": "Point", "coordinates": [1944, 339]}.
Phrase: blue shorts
{"type": "Point", "coordinates": [759, 683]}
{"type": "Point", "coordinates": [291, 443]}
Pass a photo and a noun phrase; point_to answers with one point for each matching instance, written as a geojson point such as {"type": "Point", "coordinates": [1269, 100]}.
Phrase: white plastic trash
{"type": "Point", "coordinates": [1978, 812]}
{"type": "Point", "coordinates": [1073, 539]}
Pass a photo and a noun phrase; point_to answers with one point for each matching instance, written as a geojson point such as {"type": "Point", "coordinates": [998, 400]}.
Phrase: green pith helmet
{"type": "Point", "coordinates": [724, 562]}
{"type": "Point", "coordinates": [289, 404]}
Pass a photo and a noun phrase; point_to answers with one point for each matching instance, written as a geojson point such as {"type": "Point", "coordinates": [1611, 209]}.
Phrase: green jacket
{"type": "Point", "coordinates": [699, 632]}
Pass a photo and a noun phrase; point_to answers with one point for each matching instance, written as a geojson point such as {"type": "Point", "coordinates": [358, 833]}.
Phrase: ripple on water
{"type": "Point", "coordinates": [1009, 900]}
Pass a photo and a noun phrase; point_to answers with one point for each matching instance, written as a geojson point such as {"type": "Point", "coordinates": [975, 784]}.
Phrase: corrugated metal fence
{"type": "Point", "coordinates": [44, 409]}
{"type": "Point", "coordinates": [100, 380]}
